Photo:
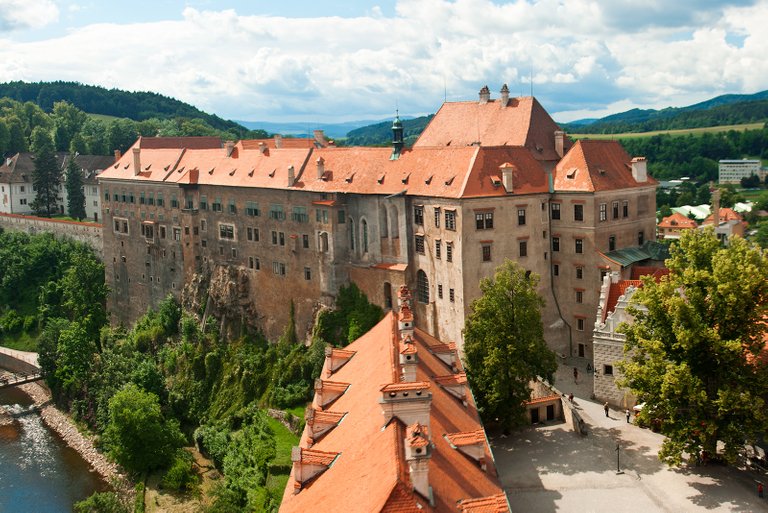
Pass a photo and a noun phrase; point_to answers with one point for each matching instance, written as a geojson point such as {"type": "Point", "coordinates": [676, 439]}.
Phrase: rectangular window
{"type": "Point", "coordinates": [579, 296]}
{"type": "Point", "coordinates": [162, 232]}
{"type": "Point", "coordinates": [611, 243]}
{"type": "Point", "coordinates": [419, 244]}
{"type": "Point", "coordinates": [437, 217]}
{"type": "Point", "coordinates": [486, 252]}
{"type": "Point", "coordinates": [523, 248]}
{"type": "Point", "coordinates": [307, 273]}
{"type": "Point", "coordinates": [276, 212]}
{"type": "Point", "coordinates": [150, 199]}
{"type": "Point", "coordinates": [203, 225]}
{"type": "Point", "coordinates": [234, 252]}
{"type": "Point", "coordinates": [216, 206]}
{"type": "Point", "coordinates": [555, 244]}
{"type": "Point", "coordinates": [342, 217]}
{"type": "Point", "coordinates": [555, 210]}
{"type": "Point", "coordinates": [451, 295]}
{"type": "Point", "coordinates": [282, 238]}
{"type": "Point", "coordinates": [278, 268]}
{"type": "Point", "coordinates": [579, 246]}
{"type": "Point", "coordinates": [161, 201]}
{"type": "Point", "coordinates": [640, 238]}
{"type": "Point", "coordinates": [579, 273]}
{"type": "Point", "coordinates": [174, 202]}
{"type": "Point", "coordinates": [578, 212]}
{"type": "Point", "coordinates": [253, 234]}
{"type": "Point", "coordinates": [449, 251]}
{"type": "Point", "coordinates": [176, 233]}
{"type": "Point", "coordinates": [625, 208]}
{"type": "Point", "coordinates": [321, 215]}
{"type": "Point", "coordinates": [484, 220]}
{"type": "Point", "coordinates": [300, 215]}
{"type": "Point", "coordinates": [274, 237]}
{"type": "Point", "coordinates": [418, 215]}
{"type": "Point", "coordinates": [520, 216]}
{"type": "Point", "coordinates": [603, 212]}
{"type": "Point", "coordinates": [438, 248]}
{"type": "Point", "coordinates": [232, 207]}
{"type": "Point", "coordinates": [580, 324]}
{"type": "Point", "coordinates": [556, 269]}
{"type": "Point", "coordinates": [106, 194]}
{"type": "Point", "coordinates": [252, 209]}
{"type": "Point", "coordinates": [251, 263]}
{"type": "Point", "coordinates": [615, 209]}
{"type": "Point", "coordinates": [607, 370]}
{"type": "Point", "coordinates": [203, 203]}
{"type": "Point", "coordinates": [226, 231]}
{"type": "Point", "coordinates": [450, 220]}
{"type": "Point", "coordinates": [142, 198]}
{"type": "Point", "coordinates": [305, 241]}
{"type": "Point", "coordinates": [440, 291]}
{"type": "Point", "coordinates": [204, 243]}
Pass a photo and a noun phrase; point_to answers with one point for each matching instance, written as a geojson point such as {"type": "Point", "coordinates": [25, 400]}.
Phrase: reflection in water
{"type": "Point", "coordinates": [38, 472]}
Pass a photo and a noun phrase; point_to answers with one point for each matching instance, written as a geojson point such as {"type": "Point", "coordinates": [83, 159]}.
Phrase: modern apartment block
{"type": "Point", "coordinates": [266, 225]}
{"type": "Point", "coordinates": [732, 171]}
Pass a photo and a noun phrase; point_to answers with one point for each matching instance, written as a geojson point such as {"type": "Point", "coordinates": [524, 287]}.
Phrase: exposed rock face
{"type": "Point", "coordinates": [222, 293]}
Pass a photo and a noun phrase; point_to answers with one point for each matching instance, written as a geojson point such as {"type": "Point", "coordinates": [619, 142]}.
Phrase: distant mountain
{"type": "Point", "coordinates": [728, 109]}
{"type": "Point", "coordinates": [304, 129]}
{"type": "Point", "coordinates": [111, 102]}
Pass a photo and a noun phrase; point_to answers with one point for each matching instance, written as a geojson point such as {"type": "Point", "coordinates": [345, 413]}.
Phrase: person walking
{"type": "Point", "coordinates": [575, 375]}
{"type": "Point", "coordinates": [605, 407]}
{"type": "Point", "coordinates": [628, 415]}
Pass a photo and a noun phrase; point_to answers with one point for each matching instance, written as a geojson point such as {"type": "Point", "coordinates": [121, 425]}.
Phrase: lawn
{"type": "Point", "coordinates": [21, 341]}
{"type": "Point", "coordinates": [680, 132]}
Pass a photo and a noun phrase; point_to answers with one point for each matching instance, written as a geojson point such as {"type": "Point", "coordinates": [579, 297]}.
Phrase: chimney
{"type": "Point", "coordinates": [409, 360]}
{"type": "Point", "coordinates": [117, 155]}
{"type": "Point", "coordinates": [507, 176]}
{"type": "Point", "coordinates": [278, 141]}
{"type": "Point", "coordinates": [230, 146]}
{"type": "Point", "coordinates": [485, 95]}
{"type": "Point", "coordinates": [639, 170]}
{"type": "Point", "coordinates": [559, 142]}
{"type": "Point", "coordinates": [320, 168]}
{"type": "Point", "coordinates": [291, 176]}
{"type": "Point", "coordinates": [716, 207]}
{"type": "Point", "coordinates": [136, 161]}
{"type": "Point", "coordinates": [410, 402]}
{"type": "Point", "coordinates": [263, 148]}
{"type": "Point", "coordinates": [418, 451]}
{"type": "Point", "coordinates": [504, 95]}
{"type": "Point", "coordinates": [320, 138]}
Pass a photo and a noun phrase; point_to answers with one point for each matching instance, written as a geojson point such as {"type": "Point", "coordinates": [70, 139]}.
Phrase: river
{"type": "Point", "coordinates": [38, 472]}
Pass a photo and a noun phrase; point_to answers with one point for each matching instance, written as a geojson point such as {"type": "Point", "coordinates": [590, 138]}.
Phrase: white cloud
{"type": "Point", "coordinates": [25, 14]}
{"type": "Point", "coordinates": [583, 54]}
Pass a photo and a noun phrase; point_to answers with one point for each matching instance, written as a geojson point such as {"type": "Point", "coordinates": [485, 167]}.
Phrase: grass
{"type": "Point", "coordinates": [680, 132]}
{"type": "Point", "coordinates": [20, 341]}
{"type": "Point", "coordinates": [297, 411]}
{"type": "Point", "coordinates": [103, 117]}
{"type": "Point", "coordinates": [284, 440]}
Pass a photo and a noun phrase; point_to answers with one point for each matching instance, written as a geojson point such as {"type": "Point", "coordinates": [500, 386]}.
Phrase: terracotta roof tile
{"type": "Point", "coordinates": [593, 165]}
{"type": "Point", "coordinates": [452, 379]}
{"type": "Point", "coordinates": [677, 220]}
{"type": "Point", "coordinates": [417, 435]}
{"type": "Point", "coordinates": [493, 504]}
{"type": "Point", "coordinates": [545, 399]}
{"type": "Point", "coordinates": [726, 214]}
{"type": "Point", "coordinates": [313, 457]}
{"type": "Point", "coordinates": [466, 438]}
{"type": "Point", "coordinates": [398, 387]}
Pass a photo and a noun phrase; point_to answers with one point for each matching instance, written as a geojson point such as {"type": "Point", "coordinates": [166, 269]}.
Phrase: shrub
{"type": "Point", "coordinates": [181, 476]}
{"type": "Point", "coordinates": [103, 502]}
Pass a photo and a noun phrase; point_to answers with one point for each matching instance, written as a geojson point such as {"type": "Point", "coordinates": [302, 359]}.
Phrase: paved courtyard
{"type": "Point", "coordinates": [550, 468]}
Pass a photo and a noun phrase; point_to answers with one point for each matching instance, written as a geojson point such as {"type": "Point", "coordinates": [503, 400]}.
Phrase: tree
{"type": "Point", "coordinates": [504, 344]}
{"type": "Point", "coordinates": [74, 185]}
{"type": "Point", "coordinates": [67, 121]}
{"type": "Point", "coordinates": [138, 435]}
{"type": "Point", "coordinates": [693, 349]}
{"type": "Point", "coordinates": [46, 177]}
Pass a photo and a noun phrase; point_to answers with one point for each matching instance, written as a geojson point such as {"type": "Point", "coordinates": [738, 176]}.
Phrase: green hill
{"type": "Point", "coordinates": [138, 106]}
{"type": "Point", "coordinates": [380, 134]}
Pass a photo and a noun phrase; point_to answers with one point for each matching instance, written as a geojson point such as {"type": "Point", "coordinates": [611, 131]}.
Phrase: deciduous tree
{"type": "Point", "coordinates": [504, 344]}
{"type": "Point", "coordinates": [694, 349]}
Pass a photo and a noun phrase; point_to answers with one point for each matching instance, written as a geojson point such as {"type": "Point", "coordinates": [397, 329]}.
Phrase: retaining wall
{"type": "Point", "coordinates": [88, 233]}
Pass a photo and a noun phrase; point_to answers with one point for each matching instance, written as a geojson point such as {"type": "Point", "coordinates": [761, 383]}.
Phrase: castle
{"type": "Point", "coordinates": [244, 229]}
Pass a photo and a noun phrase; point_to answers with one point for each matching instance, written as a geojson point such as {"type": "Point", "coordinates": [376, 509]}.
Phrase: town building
{"type": "Point", "coordinates": [17, 192]}
{"type": "Point", "coordinates": [260, 226]}
{"type": "Point", "coordinates": [732, 171]}
{"type": "Point", "coordinates": [672, 226]}
{"type": "Point", "coordinates": [393, 427]}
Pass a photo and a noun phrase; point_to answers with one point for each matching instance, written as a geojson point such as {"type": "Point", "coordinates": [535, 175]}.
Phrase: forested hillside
{"type": "Point", "coordinates": [380, 134]}
{"type": "Point", "coordinates": [138, 106]}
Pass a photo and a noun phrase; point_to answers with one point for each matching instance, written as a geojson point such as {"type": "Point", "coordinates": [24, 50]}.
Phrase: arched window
{"type": "Point", "coordinates": [394, 218]}
{"type": "Point", "coordinates": [383, 220]}
{"type": "Point", "coordinates": [364, 235]}
{"type": "Point", "coordinates": [422, 287]}
{"type": "Point", "coordinates": [351, 234]}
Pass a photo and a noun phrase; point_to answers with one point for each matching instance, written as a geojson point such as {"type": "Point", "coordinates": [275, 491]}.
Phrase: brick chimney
{"type": "Point", "coordinates": [263, 148]}
{"type": "Point", "coordinates": [418, 451]}
{"type": "Point", "coordinates": [716, 207]}
{"type": "Point", "coordinates": [136, 161]}
{"type": "Point", "coordinates": [291, 176]}
{"type": "Point", "coordinates": [409, 360]}
{"type": "Point", "coordinates": [278, 141]}
{"type": "Point", "coordinates": [118, 154]}
{"type": "Point", "coordinates": [320, 139]}
{"type": "Point", "coordinates": [507, 176]}
{"type": "Point", "coordinates": [485, 95]}
{"type": "Point", "coordinates": [504, 96]}
{"type": "Point", "coordinates": [230, 146]}
{"type": "Point", "coordinates": [639, 170]}
{"type": "Point", "coordinates": [320, 168]}
{"type": "Point", "coordinates": [559, 143]}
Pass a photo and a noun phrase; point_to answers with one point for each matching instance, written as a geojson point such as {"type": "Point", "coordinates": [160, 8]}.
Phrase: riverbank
{"type": "Point", "coordinates": [66, 429]}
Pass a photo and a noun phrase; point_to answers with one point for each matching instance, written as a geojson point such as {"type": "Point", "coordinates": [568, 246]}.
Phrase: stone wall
{"type": "Point", "coordinates": [88, 233]}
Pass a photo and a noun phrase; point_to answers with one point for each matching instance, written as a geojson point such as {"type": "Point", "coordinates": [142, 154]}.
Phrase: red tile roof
{"type": "Point", "coordinates": [593, 165]}
{"type": "Point", "coordinates": [726, 214]}
{"type": "Point", "coordinates": [522, 122]}
{"type": "Point", "coordinates": [493, 504]}
{"type": "Point", "coordinates": [370, 473]}
{"type": "Point", "coordinates": [467, 438]}
{"type": "Point", "coordinates": [677, 220]}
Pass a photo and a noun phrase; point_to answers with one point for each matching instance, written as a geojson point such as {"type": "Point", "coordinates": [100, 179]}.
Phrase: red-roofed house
{"type": "Point", "coordinates": [396, 439]}
{"type": "Point", "coordinates": [671, 227]}
{"type": "Point", "coordinates": [729, 223]}
{"type": "Point", "coordinates": [258, 224]}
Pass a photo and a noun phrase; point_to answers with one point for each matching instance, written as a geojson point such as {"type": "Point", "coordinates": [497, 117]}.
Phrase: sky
{"type": "Point", "coordinates": [336, 61]}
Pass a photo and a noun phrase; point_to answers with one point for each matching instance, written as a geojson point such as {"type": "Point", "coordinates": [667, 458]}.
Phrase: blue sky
{"type": "Point", "coordinates": [342, 60]}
